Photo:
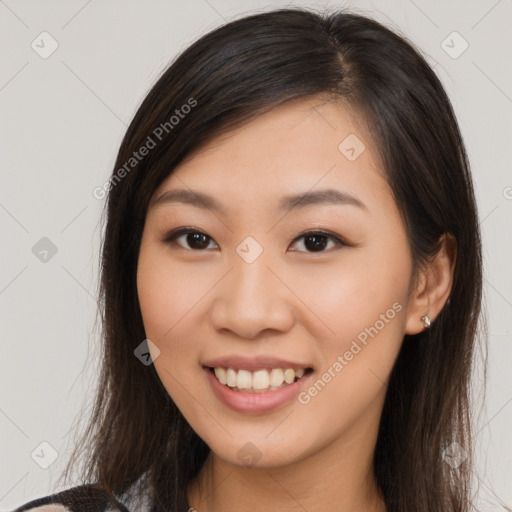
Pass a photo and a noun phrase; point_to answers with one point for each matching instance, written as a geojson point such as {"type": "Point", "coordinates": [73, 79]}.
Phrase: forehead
{"type": "Point", "coordinates": [302, 145]}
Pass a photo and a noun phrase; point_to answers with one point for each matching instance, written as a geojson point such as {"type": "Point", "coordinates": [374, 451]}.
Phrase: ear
{"type": "Point", "coordinates": [433, 286]}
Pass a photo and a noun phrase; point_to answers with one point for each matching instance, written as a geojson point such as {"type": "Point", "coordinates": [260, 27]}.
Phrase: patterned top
{"type": "Point", "coordinates": [83, 498]}
{"type": "Point", "coordinates": [77, 499]}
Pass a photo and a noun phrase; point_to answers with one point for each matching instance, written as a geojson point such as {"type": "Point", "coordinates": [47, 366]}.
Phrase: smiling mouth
{"type": "Point", "coordinates": [259, 381]}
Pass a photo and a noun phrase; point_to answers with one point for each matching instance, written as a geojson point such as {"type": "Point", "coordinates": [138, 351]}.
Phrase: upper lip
{"type": "Point", "coordinates": [253, 363]}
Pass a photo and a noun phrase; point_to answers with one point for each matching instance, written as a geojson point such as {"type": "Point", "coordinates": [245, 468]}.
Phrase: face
{"type": "Point", "coordinates": [257, 286]}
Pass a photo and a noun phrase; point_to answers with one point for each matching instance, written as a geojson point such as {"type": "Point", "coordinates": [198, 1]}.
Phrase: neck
{"type": "Point", "coordinates": [337, 478]}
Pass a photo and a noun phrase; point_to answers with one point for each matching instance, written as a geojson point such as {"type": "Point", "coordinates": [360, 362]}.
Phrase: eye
{"type": "Point", "coordinates": [197, 240]}
{"type": "Point", "coordinates": [316, 241]}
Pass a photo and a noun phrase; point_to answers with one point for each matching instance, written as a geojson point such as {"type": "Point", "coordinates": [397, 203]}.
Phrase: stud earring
{"type": "Point", "coordinates": [426, 321]}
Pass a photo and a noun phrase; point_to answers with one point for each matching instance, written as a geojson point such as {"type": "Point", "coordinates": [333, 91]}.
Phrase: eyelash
{"type": "Point", "coordinates": [173, 235]}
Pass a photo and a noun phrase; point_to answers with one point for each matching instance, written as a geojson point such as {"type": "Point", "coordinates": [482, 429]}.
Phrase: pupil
{"type": "Point", "coordinates": [195, 239]}
{"type": "Point", "coordinates": [319, 242]}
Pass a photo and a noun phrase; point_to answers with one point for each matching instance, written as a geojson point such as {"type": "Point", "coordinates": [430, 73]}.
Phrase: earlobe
{"type": "Point", "coordinates": [434, 287]}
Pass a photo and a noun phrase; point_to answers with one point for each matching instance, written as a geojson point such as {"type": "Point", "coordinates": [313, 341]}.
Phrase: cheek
{"type": "Point", "coordinates": [166, 293]}
{"type": "Point", "coordinates": [351, 294]}
{"type": "Point", "coordinates": [156, 299]}
{"type": "Point", "coordinates": [172, 302]}
{"type": "Point", "coordinates": [362, 303]}
{"type": "Point", "coordinates": [367, 315]}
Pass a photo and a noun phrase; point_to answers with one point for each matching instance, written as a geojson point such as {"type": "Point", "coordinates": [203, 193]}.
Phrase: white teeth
{"type": "Point", "coordinates": [231, 378]}
{"type": "Point", "coordinates": [244, 379]}
{"type": "Point", "coordinates": [276, 377]}
{"type": "Point", "coordinates": [220, 373]}
{"type": "Point", "coordinates": [289, 375]}
{"type": "Point", "coordinates": [258, 381]}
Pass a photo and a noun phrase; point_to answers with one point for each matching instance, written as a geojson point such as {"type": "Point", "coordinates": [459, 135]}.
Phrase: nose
{"type": "Point", "coordinates": [251, 299]}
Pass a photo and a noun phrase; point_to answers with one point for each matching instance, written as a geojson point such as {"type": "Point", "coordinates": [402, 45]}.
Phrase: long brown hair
{"type": "Point", "coordinates": [136, 437]}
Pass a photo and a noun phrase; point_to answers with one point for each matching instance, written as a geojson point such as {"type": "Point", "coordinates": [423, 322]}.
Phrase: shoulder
{"type": "Point", "coordinates": [36, 506]}
{"type": "Point", "coordinates": [83, 498]}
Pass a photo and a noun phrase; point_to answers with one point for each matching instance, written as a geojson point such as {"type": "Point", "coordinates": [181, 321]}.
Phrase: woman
{"type": "Point", "coordinates": [291, 282]}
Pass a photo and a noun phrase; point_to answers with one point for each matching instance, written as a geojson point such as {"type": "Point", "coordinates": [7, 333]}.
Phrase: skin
{"type": "Point", "coordinates": [291, 302]}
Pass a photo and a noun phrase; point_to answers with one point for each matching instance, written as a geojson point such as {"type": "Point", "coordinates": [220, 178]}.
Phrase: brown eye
{"type": "Point", "coordinates": [196, 240]}
{"type": "Point", "coordinates": [192, 239]}
{"type": "Point", "coordinates": [317, 241]}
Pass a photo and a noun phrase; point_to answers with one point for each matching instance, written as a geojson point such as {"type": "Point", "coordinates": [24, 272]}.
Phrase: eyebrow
{"type": "Point", "coordinates": [290, 202]}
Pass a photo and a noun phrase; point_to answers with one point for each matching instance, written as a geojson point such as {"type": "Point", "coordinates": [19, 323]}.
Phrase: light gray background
{"type": "Point", "coordinates": [62, 120]}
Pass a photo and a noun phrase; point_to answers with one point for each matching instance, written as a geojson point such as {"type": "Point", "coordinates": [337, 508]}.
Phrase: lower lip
{"type": "Point", "coordinates": [255, 403]}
